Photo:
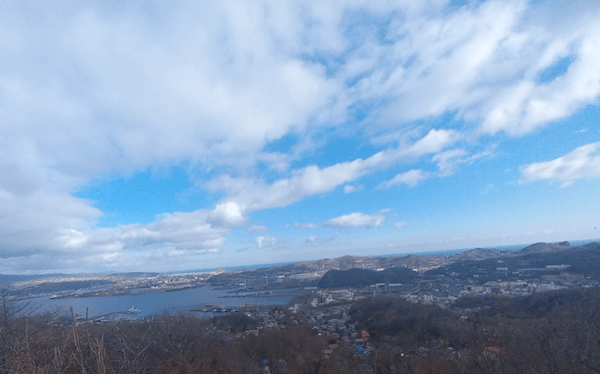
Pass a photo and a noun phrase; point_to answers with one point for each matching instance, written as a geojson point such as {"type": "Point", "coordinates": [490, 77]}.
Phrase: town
{"type": "Point", "coordinates": [361, 309]}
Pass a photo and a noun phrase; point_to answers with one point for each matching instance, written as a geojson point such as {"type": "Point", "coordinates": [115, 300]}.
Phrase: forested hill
{"type": "Point", "coordinates": [545, 247]}
{"type": "Point", "coordinates": [365, 277]}
{"type": "Point", "coordinates": [538, 259]}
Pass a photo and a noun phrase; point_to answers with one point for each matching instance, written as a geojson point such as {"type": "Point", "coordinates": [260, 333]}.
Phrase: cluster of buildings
{"type": "Point", "coordinates": [331, 321]}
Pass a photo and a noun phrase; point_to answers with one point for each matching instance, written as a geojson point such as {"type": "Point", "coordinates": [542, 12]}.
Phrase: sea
{"type": "Point", "coordinates": [173, 302]}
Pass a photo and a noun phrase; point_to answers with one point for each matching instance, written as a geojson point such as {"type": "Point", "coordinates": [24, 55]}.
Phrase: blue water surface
{"type": "Point", "coordinates": [150, 303]}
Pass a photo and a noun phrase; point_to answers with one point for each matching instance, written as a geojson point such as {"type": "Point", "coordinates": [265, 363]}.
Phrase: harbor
{"type": "Point", "coordinates": [150, 304]}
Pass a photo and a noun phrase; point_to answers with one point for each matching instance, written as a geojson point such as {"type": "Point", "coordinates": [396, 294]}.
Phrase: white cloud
{"type": "Point", "coordinates": [190, 231]}
{"type": "Point", "coordinates": [257, 228]}
{"type": "Point", "coordinates": [41, 220]}
{"type": "Point", "coordinates": [351, 188]}
{"type": "Point", "coordinates": [483, 63]}
{"type": "Point", "coordinates": [353, 219]}
{"type": "Point", "coordinates": [306, 225]}
{"type": "Point", "coordinates": [410, 178]}
{"type": "Point", "coordinates": [447, 160]}
{"type": "Point", "coordinates": [175, 253]}
{"type": "Point", "coordinates": [357, 219]}
{"type": "Point", "coordinates": [265, 241]}
{"type": "Point", "coordinates": [172, 236]}
{"type": "Point", "coordinates": [255, 194]}
{"type": "Point", "coordinates": [228, 214]}
{"type": "Point", "coordinates": [528, 105]}
{"type": "Point", "coordinates": [446, 163]}
{"type": "Point", "coordinates": [311, 239]}
{"type": "Point", "coordinates": [93, 90]}
{"type": "Point", "coordinates": [400, 224]}
{"type": "Point", "coordinates": [108, 96]}
{"type": "Point", "coordinates": [433, 142]}
{"type": "Point", "coordinates": [583, 162]}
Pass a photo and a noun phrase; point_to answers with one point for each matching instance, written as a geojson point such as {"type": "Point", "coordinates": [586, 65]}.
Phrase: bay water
{"type": "Point", "coordinates": [150, 303]}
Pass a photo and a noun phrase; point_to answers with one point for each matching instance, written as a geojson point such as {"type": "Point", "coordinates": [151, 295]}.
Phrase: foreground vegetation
{"type": "Point", "coordinates": [553, 332]}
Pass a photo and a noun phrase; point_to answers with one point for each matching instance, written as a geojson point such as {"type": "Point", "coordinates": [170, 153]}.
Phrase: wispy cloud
{"type": "Point", "coordinates": [583, 162]}
{"type": "Point", "coordinates": [257, 228]}
{"type": "Point", "coordinates": [410, 178]}
{"type": "Point", "coordinates": [306, 225]}
{"type": "Point", "coordinates": [447, 160]}
{"type": "Point", "coordinates": [351, 188]}
{"type": "Point", "coordinates": [255, 194]}
{"type": "Point", "coordinates": [357, 219]}
{"type": "Point", "coordinates": [265, 241]}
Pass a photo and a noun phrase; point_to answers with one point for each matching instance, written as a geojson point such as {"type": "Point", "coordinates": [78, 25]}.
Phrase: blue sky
{"type": "Point", "coordinates": [152, 136]}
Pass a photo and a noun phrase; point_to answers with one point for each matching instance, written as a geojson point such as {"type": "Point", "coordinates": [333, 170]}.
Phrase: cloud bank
{"type": "Point", "coordinates": [581, 163]}
{"type": "Point", "coordinates": [356, 219]}
{"type": "Point", "coordinates": [92, 90]}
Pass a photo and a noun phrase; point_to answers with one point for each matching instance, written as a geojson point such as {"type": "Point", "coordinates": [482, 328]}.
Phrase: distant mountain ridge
{"type": "Point", "coordinates": [541, 258]}
{"type": "Point", "coordinates": [407, 261]}
{"type": "Point", "coordinates": [546, 247]}
{"type": "Point", "coordinates": [489, 264]}
{"type": "Point", "coordinates": [561, 253]}
{"type": "Point", "coordinates": [478, 254]}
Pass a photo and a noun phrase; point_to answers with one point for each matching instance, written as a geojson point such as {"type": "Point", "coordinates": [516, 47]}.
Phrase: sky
{"type": "Point", "coordinates": [181, 135]}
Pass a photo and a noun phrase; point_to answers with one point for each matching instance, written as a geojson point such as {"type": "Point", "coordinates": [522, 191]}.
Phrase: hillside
{"type": "Point", "coordinates": [365, 277]}
{"type": "Point", "coordinates": [545, 247]}
{"type": "Point", "coordinates": [584, 260]}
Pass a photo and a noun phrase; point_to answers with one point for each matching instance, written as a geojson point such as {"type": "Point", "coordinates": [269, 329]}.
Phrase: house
{"type": "Point", "coordinates": [493, 352]}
